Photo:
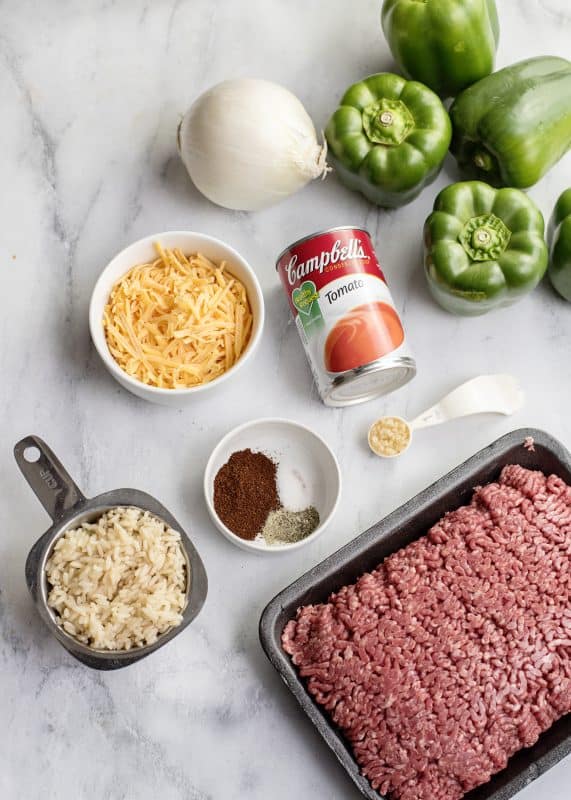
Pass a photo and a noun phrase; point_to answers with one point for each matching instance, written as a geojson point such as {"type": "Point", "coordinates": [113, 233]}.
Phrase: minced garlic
{"type": "Point", "coordinates": [389, 436]}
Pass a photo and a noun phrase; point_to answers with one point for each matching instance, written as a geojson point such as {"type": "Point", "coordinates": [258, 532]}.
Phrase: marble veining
{"type": "Point", "coordinates": [92, 93]}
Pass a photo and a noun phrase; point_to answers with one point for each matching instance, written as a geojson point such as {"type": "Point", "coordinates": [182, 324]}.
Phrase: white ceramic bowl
{"type": "Point", "coordinates": [143, 251]}
{"type": "Point", "coordinates": [308, 473]}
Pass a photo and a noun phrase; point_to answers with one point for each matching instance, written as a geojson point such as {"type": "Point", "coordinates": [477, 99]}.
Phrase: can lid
{"type": "Point", "coordinates": [320, 233]}
{"type": "Point", "coordinates": [370, 381]}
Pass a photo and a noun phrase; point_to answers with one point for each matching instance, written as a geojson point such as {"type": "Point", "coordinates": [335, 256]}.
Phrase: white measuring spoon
{"type": "Point", "coordinates": [390, 436]}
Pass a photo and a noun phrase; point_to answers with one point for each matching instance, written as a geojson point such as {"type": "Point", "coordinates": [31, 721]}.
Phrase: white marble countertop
{"type": "Point", "coordinates": [92, 93]}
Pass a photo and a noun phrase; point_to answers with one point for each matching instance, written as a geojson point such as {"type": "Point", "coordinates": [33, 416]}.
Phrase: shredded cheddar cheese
{"type": "Point", "coordinates": [177, 322]}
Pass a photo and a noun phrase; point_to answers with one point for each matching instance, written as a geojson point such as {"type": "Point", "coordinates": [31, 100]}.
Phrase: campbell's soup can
{"type": "Point", "coordinates": [352, 333]}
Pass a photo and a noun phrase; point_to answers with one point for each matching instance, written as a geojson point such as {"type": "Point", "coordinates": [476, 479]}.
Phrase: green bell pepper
{"type": "Point", "coordinates": [560, 237]}
{"type": "Point", "coordinates": [484, 247]}
{"type": "Point", "coordinates": [388, 138]}
{"type": "Point", "coordinates": [446, 44]}
{"type": "Point", "coordinates": [512, 126]}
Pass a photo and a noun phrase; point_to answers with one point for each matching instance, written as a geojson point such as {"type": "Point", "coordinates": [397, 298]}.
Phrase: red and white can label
{"type": "Point", "coordinates": [341, 303]}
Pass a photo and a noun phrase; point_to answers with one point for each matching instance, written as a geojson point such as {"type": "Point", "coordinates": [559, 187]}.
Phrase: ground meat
{"type": "Point", "coordinates": [456, 651]}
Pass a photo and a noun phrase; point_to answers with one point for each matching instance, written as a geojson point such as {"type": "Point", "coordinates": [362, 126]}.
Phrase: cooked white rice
{"type": "Point", "coordinates": [119, 582]}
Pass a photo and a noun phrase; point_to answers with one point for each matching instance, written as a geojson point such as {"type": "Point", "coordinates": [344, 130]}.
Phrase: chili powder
{"type": "Point", "coordinates": [245, 491]}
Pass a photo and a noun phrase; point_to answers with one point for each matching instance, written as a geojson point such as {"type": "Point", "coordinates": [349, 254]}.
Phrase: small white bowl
{"type": "Point", "coordinates": [143, 251]}
{"type": "Point", "coordinates": [308, 473]}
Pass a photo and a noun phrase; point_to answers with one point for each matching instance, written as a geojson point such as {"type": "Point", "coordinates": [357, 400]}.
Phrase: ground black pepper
{"type": "Point", "coordinates": [245, 491]}
{"type": "Point", "coordinates": [287, 527]}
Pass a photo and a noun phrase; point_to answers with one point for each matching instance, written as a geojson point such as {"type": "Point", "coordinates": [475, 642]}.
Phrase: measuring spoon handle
{"type": "Point", "coordinates": [54, 487]}
{"type": "Point", "coordinates": [486, 394]}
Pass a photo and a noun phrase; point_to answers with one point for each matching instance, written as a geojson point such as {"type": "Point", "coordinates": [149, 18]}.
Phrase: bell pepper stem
{"type": "Point", "coordinates": [484, 238]}
{"type": "Point", "coordinates": [387, 122]}
{"type": "Point", "coordinates": [483, 160]}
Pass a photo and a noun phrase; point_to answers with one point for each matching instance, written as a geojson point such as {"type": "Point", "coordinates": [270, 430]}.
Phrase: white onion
{"type": "Point", "coordinates": [249, 143]}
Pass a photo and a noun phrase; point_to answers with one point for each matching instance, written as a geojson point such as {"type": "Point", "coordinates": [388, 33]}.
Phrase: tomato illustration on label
{"type": "Point", "coordinates": [366, 333]}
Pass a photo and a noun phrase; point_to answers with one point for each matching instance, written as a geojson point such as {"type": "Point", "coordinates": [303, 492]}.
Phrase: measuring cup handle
{"type": "Point", "coordinates": [53, 486]}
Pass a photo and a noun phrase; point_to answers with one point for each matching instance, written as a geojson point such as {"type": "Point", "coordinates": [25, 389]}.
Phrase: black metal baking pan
{"type": "Point", "coordinates": [407, 523]}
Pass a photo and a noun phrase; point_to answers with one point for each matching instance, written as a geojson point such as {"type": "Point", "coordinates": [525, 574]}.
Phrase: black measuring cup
{"type": "Point", "coordinates": [68, 508]}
